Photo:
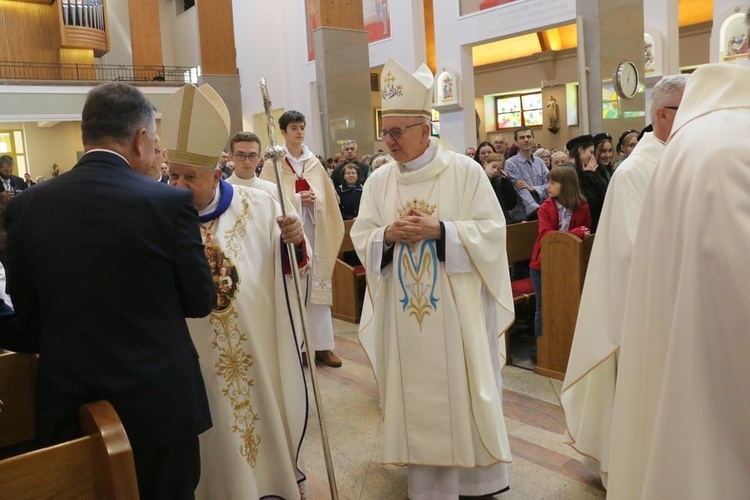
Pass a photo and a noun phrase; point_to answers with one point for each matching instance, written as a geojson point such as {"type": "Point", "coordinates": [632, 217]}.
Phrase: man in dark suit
{"type": "Point", "coordinates": [104, 264]}
{"type": "Point", "coordinates": [351, 151]}
{"type": "Point", "coordinates": [10, 184]}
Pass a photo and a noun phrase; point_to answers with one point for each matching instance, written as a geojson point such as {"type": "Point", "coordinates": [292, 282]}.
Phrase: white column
{"type": "Point", "coordinates": [660, 18]}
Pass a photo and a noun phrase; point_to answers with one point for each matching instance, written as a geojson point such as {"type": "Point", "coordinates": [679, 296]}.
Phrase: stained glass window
{"type": "Point", "coordinates": [519, 110]}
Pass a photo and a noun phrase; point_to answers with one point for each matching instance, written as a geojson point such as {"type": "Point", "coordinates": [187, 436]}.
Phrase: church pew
{"type": "Point", "coordinates": [519, 244]}
{"type": "Point", "coordinates": [564, 261]}
{"type": "Point", "coordinates": [97, 465]}
{"type": "Point", "coordinates": [17, 391]}
{"type": "Point", "coordinates": [348, 282]}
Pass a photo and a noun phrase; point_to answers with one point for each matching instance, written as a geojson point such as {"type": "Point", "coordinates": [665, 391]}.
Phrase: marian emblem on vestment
{"type": "Point", "coordinates": [225, 276]}
{"type": "Point", "coordinates": [418, 268]}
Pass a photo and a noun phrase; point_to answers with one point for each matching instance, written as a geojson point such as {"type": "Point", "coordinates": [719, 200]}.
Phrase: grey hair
{"type": "Point", "coordinates": [379, 159]}
{"type": "Point", "coordinates": [348, 142]}
{"type": "Point", "coordinates": [667, 91]}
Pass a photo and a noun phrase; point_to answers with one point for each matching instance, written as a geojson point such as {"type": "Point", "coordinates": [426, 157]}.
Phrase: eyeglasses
{"type": "Point", "coordinates": [243, 156]}
{"type": "Point", "coordinates": [672, 107]}
{"type": "Point", "coordinates": [397, 132]}
{"type": "Point", "coordinates": [157, 151]}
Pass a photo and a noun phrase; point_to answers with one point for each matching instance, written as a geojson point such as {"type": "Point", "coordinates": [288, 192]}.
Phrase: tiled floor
{"type": "Point", "coordinates": [543, 467]}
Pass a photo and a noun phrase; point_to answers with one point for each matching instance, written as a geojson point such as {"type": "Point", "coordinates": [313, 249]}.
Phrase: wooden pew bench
{"type": "Point", "coordinates": [18, 393]}
{"type": "Point", "coordinates": [565, 258]}
{"type": "Point", "coordinates": [520, 238]}
{"type": "Point", "coordinates": [97, 465]}
{"type": "Point", "coordinates": [348, 282]}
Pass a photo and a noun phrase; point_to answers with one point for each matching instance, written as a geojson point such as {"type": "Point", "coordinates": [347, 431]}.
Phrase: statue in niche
{"type": "Point", "coordinates": [553, 114]}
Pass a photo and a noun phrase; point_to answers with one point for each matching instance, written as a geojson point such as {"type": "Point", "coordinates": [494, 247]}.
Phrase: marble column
{"type": "Point", "coordinates": [612, 32]}
{"type": "Point", "coordinates": [342, 67]}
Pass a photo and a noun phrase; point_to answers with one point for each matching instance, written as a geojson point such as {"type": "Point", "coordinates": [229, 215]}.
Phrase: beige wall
{"type": "Point", "coordinates": [47, 145]}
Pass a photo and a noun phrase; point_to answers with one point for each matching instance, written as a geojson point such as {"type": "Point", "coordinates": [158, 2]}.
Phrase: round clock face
{"type": "Point", "coordinates": [626, 80]}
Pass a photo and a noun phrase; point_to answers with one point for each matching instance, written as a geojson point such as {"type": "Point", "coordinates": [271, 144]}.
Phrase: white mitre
{"type": "Point", "coordinates": [406, 94]}
{"type": "Point", "coordinates": [195, 125]}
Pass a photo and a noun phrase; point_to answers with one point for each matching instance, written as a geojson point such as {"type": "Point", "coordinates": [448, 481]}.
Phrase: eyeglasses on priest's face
{"type": "Point", "coordinates": [246, 156]}
{"type": "Point", "coordinates": [397, 132]}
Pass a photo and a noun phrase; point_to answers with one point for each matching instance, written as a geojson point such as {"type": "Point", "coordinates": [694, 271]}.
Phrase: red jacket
{"type": "Point", "coordinates": [549, 221]}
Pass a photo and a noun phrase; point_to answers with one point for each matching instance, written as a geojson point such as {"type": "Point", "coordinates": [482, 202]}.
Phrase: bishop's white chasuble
{"type": "Point", "coordinates": [249, 356]}
{"type": "Point", "coordinates": [432, 332]}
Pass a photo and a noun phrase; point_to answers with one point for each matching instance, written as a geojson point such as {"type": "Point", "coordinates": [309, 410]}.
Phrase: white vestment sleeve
{"type": "Point", "coordinates": [456, 258]}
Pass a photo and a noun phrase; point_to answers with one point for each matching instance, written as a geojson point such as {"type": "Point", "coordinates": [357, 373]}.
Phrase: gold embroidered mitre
{"type": "Point", "coordinates": [195, 124]}
{"type": "Point", "coordinates": [406, 94]}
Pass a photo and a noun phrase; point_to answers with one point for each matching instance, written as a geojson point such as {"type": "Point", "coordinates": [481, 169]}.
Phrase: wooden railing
{"type": "Point", "coordinates": [92, 72]}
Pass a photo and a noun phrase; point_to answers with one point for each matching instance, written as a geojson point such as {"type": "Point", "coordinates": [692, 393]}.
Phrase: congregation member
{"type": "Point", "coordinates": [155, 169]}
{"type": "Point", "coordinates": [680, 417]}
{"type": "Point", "coordinates": [565, 210]}
{"type": "Point", "coordinates": [484, 149]}
{"type": "Point", "coordinates": [506, 195]}
{"type": "Point", "coordinates": [589, 388]}
{"type": "Point", "coordinates": [544, 154]}
{"type": "Point", "coordinates": [223, 164]}
{"type": "Point", "coordinates": [470, 152]}
{"type": "Point", "coordinates": [557, 159]}
{"type": "Point", "coordinates": [528, 173]}
{"type": "Point", "coordinates": [248, 346]}
{"type": "Point", "coordinates": [304, 180]}
{"type": "Point", "coordinates": [11, 184]}
{"type": "Point", "coordinates": [107, 313]}
{"type": "Point", "coordinates": [603, 154]}
{"type": "Point", "coordinates": [625, 145]}
{"type": "Point", "coordinates": [350, 193]}
{"type": "Point", "coordinates": [593, 185]}
{"type": "Point", "coordinates": [350, 152]}
{"type": "Point", "coordinates": [164, 170]}
{"type": "Point", "coordinates": [379, 159]}
{"type": "Point", "coordinates": [431, 235]}
{"type": "Point", "coordinates": [27, 180]}
{"type": "Point", "coordinates": [500, 143]}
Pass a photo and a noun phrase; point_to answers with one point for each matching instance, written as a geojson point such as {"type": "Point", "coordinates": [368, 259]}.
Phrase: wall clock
{"type": "Point", "coordinates": [626, 80]}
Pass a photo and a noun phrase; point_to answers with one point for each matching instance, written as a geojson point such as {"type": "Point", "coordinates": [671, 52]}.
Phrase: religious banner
{"type": "Point", "coordinates": [376, 16]}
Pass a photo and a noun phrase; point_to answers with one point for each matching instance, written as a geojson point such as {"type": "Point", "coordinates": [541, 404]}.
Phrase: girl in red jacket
{"type": "Point", "coordinates": [565, 210]}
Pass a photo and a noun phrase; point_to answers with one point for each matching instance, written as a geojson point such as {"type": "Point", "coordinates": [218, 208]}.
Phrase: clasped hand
{"type": "Point", "coordinates": [307, 198]}
{"type": "Point", "coordinates": [412, 227]}
{"type": "Point", "coordinates": [291, 229]}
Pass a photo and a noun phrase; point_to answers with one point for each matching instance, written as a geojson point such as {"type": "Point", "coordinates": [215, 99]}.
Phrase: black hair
{"type": "Point", "coordinates": [290, 116]}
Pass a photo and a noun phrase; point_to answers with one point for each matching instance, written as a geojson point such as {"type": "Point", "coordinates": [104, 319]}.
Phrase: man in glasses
{"type": "Point", "coordinates": [431, 235]}
{"type": "Point", "coordinates": [244, 149]}
{"type": "Point", "coordinates": [589, 388]}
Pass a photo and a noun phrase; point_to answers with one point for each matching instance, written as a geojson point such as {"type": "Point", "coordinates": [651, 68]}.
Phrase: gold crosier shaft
{"type": "Point", "coordinates": [277, 154]}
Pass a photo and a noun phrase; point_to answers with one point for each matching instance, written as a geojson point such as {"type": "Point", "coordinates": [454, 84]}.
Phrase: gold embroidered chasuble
{"type": "Point", "coordinates": [329, 226]}
{"type": "Point", "coordinates": [434, 338]}
{"type": "Point", "coordinates": [249, 358]}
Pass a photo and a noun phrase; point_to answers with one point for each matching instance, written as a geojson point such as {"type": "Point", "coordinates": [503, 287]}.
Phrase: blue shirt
{"type": "Point", "coordinates": [534, 172]}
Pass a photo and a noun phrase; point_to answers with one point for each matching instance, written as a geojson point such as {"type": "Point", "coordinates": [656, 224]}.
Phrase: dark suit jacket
{"type": "Point", "coordinates": [18, 184]}
{"type": "Point", "coordinates": [104, 264]}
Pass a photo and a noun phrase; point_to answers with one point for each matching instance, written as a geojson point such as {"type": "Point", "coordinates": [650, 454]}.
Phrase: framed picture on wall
{"type": "Point", "coordinates": [378, 123]}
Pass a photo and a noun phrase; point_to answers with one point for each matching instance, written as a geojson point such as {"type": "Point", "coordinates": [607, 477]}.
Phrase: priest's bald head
{"type": "Point", "coordinates": [406, 103]}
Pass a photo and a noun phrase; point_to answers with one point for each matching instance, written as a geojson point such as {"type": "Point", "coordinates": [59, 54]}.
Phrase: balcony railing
{"type": "Point", "coordinates": [93, 72]}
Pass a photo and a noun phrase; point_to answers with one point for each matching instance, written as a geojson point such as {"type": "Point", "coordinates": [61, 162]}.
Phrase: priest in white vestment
{"type": "Point", "coordinates": [589, 389]}
{"type": "Point", "coordinates": [431, 235]}
{"type": "Point", "coordinates": [249, 344]}
{"type": "Point", "coordinates": [306, 181]}
{"type": "Point", "coordinates": [681, 420]}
